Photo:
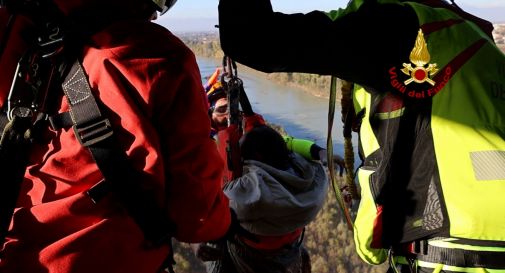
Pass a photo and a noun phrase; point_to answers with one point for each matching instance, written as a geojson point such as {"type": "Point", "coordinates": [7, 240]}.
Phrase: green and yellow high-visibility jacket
{"type": "Point", "coordinates": [434, 147]}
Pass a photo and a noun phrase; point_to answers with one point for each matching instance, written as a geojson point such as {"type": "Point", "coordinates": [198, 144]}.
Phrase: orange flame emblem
{"type": "Point", "coordinates": [420, 56]}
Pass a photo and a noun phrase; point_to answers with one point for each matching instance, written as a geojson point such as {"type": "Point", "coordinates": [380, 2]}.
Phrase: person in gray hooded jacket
{"type": "Point", "coordinates": [279, 193]}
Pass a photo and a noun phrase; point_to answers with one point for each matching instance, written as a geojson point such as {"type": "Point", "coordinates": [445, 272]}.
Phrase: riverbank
{"type": "Point", "coordinates": [315, 85]}
{"type": "Point", "coordinates": [207, 45]}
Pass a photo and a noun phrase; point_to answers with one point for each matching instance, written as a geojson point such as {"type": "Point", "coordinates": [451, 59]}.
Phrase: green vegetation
{"type": "Point", "coordinates": [316, 85]}
{"type": "Point", "coordinates": [204, 44]}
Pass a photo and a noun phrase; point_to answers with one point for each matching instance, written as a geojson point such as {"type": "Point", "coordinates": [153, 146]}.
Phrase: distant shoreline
{"type": "Point", "coordinates": [206, 44]}
{"type": "Point", "coordinates": [280, 79]}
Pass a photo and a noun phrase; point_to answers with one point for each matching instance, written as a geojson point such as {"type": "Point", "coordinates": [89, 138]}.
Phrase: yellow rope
{"type": "Point", "coordinates": [346, 104]}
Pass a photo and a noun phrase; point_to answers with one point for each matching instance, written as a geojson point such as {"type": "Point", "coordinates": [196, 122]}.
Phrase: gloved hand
{"type": "Point", "coordinates": [338, 160]}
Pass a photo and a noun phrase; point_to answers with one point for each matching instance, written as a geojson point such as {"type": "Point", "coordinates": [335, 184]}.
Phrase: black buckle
{"type": "Point", "coordinates": [93, 133]}
{"type": "Point", "coordinates": [420, 247]}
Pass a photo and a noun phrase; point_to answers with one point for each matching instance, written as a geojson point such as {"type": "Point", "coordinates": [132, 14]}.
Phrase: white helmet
{"type": "Point", "coordinates": [163, 5]}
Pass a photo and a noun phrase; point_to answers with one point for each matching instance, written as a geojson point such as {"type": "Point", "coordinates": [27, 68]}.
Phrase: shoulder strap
{"type": "Point", "coordinates": [94, 131]}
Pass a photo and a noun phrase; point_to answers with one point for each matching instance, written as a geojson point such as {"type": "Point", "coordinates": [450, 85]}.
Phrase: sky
{"type": "Point", "coordinates": [201, 15]}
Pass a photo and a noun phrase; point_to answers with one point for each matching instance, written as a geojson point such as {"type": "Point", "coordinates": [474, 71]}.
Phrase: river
{"type": "Point", "coordinates": [302, 115]}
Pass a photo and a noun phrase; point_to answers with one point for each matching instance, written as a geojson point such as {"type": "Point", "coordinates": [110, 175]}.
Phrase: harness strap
{"type": "Point", "coordinates": [60, 121]}
{"type": "Point", "coordinates": [426, 252]}
{"type": "Point", "coordinates": [464, 258]}
{"type": "Point", "coordinates": [94, 131]}
{"type": "Point", "coordinates": [89, 125]}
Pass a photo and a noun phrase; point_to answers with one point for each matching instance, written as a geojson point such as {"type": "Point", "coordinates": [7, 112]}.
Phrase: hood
{"type": "Point", "coordinates": [269, 201]}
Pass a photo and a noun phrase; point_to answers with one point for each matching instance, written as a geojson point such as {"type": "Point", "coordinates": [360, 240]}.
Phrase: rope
{"type": "Point", "coordinates": [329, 149]}
{"type": "Point", "coordinates": [347, 114]}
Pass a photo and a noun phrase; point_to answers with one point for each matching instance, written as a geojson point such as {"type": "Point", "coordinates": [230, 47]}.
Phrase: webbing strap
{"type": "Point", "coordinates": [463, 257]}
{"type": "Point", "coordinates": [90, 126]}
{"type": "Point", "coordinates": [60, 121]}
{"type": "Point", "coordinates": [439, 251]}
{"type": "Point", "coordinates": [95, 132]}
{"type": "Point", "coordinates": [329, 148]}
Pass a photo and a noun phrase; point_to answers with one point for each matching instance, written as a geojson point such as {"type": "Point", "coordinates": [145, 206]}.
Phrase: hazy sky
{"type": "Point", "coordinates": [195, 15]}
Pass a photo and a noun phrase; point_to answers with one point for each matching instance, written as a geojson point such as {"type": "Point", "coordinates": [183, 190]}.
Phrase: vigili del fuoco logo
{"type": "Point", "coordinates": [416, 78]}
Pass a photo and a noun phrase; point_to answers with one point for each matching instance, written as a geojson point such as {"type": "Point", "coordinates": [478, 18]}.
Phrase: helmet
{"type": "Point", "coordinates": [212, 80]}
{"type": "Point", "coordinates": [214, 88]}
{"type": "Point", "coordinates": [215, 93]}
{"type": "Point", "coordinates": [163, 5]}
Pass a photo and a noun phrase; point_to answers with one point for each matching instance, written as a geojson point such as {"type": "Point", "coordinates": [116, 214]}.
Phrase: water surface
{"type": "Point", "coordinates": [302, 115]}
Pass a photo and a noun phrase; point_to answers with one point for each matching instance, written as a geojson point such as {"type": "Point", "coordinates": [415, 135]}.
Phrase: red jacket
{"type": "Point", "coordinates": [150, 85]}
